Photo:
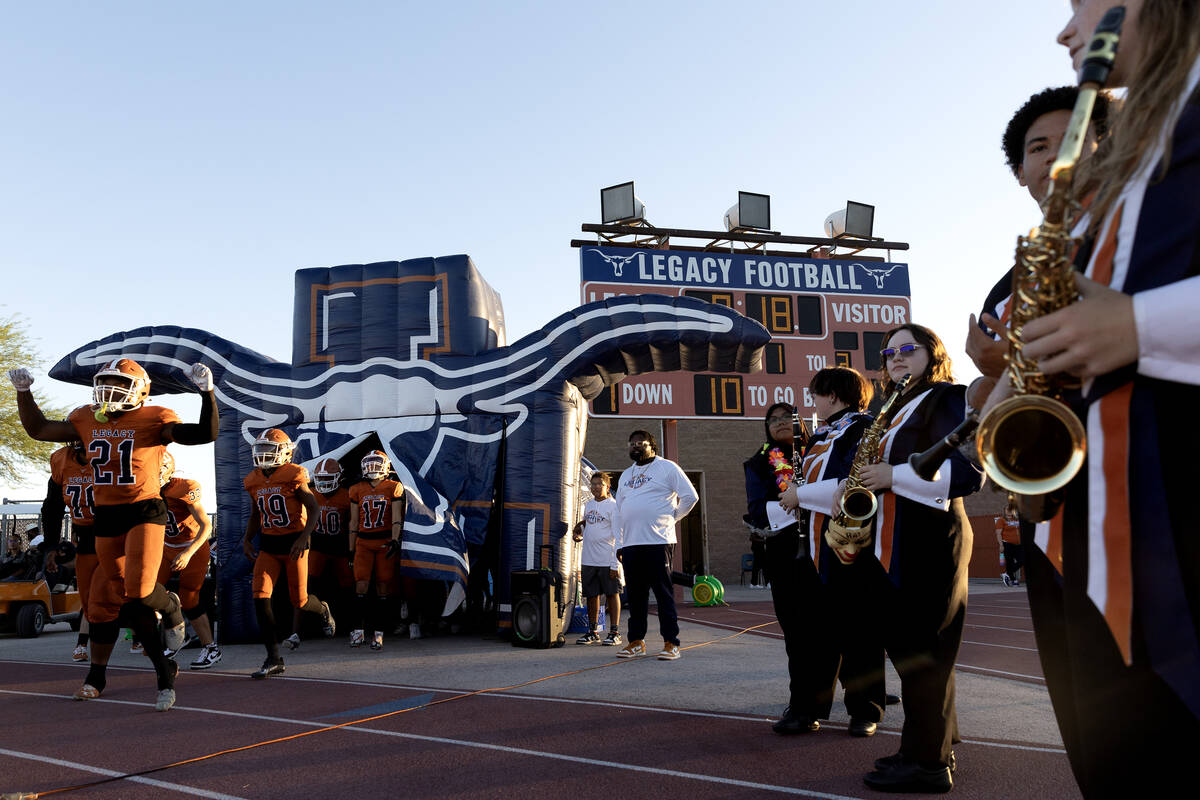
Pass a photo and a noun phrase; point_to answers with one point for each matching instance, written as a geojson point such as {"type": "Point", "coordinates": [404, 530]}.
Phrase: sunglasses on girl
{"type": "Point", "coordinates": [904, 350]}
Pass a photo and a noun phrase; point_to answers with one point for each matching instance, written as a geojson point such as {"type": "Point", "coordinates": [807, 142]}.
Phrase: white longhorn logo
{"type": "Point", "coordinates": [877, 274]}
{"type": "Point", "coordinates": [617, 262]}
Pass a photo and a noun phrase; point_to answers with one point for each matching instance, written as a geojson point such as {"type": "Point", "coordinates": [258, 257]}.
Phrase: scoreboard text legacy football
{"type": "Point", "coordinates": [819, 313]}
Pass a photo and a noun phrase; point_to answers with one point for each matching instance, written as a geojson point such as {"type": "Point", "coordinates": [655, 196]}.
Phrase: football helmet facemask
{"type": "Point", "coordinates": [375, 465]}
{"type": "Point", "coordinates": [272, 448]}
{"type": "Point", "coordinates": [327, 475]}
{"type": "Point", "coordinates": [167, 470]}
{"type": "Point", "coordinates": [120, 385]}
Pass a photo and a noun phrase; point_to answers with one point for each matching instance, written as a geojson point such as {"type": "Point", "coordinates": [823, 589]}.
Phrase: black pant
{"type": "Point", "coordinates": [857, 633]}
{"type": "Point", "coordinates": [1096, 696]}
{"type": "Point", "coordinates": [797, 594]}
{"type": "Point", "coordinates": [647, 568]}
{"type": "Point", "coordinates": [1014, 559]}
{"type": "Point", "coordinates": [759, 564]}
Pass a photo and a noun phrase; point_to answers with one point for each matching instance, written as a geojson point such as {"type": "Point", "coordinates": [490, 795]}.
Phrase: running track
{"type": "Point", "coordinates": [427, 741]}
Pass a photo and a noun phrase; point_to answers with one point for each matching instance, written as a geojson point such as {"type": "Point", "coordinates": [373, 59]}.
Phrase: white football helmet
{"type": "Point", "coordinates": [375, 465]}
{"type": "Point", "coordinates": [120, 385]}
{"type": "Point", "coordinates": [272, 448]}
{"type": "Point", "coordinates": [327, 475]}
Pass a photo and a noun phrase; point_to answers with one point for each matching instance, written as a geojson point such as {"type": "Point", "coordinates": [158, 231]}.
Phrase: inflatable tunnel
{"type": "Point", "coordinates": [411, 356]}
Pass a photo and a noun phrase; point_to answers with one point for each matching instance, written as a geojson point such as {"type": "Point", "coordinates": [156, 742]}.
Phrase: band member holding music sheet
{"type": "Point", "coordinates": [841, 396]}
{"type": "Point", "coordinates": [795, 587]}
{"type": "Point", "coordinates": [1124, 645]}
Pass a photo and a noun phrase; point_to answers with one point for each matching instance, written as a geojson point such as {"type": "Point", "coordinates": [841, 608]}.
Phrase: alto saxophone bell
{"type": "Point", "coordinates": [1031, 444]}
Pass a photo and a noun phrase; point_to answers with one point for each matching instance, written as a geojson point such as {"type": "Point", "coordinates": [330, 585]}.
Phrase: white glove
{"type": "Point", "coordinates": [201, 376]}
{"type": "Point", "coordinates": [21, 379]}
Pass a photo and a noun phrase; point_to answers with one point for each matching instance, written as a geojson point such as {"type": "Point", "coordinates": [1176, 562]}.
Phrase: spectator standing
{"type": "Point", "coordinates": [653, 495]}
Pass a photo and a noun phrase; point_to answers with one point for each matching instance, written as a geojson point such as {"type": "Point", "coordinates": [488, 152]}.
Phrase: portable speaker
{"type": "Point", "coordinates": [536, 621]}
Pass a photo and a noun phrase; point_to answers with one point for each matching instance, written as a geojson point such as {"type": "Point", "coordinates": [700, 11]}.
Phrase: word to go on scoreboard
{"type": "Point", "coordinates": [820, 312]}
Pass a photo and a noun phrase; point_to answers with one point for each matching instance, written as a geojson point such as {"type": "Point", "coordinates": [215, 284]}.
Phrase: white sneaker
{"type": "Point", "coordinates": [414, 631]}
{"type": "Point", "coordinates": [79, 653]}
{"type": "Point", "coordinates": [165, 699]}
{"type": "Point", "coordinates": [292, 642]}
{"type": "Point", "coordinates": [670, 652]}
{"type": "Point", "coordinates": [356, 638]}
{"type": "Point", "coordinates": [210, 655]}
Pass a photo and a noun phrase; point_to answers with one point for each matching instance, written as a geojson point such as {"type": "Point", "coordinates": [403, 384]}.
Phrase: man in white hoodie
{"type": "Point", "coordinates": [652, 496]}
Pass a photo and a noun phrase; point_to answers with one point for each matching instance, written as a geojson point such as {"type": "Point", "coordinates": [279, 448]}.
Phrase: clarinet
{"type": "Point", "coordinates": [799, 445]}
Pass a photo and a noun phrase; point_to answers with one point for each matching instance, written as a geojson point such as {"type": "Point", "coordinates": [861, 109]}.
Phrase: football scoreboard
{"type": "Point", "coordinates": [820, 312]}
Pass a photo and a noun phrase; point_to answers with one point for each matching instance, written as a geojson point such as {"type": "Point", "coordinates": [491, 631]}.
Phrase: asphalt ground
{"type": "Point", "coordinates": [464, 716]}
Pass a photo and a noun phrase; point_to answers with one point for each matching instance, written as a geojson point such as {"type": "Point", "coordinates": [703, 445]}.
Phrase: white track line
{"type": "Point", "coordinates": [1005, 646]}
{"type": "Point", "coordinates": [616, 765]}
{"type": "Point", "coordinates": [108, 773]}
{"type": "Point", "coordinates": [1000, 628]}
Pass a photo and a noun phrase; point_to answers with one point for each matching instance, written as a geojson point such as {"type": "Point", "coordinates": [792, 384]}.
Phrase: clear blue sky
{"type": "Point", "coordinates": [175, 164]}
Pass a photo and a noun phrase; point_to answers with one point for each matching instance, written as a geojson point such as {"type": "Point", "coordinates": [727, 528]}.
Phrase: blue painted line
{"type": "Point", "coordinates": [383, 708]}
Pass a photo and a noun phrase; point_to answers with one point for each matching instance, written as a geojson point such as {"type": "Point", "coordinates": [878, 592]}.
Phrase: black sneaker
{"type": "Point", "coordinates": [588, 638]}
{"type": "Point", "coordinates": [612, 638]}
{"type": "Point", "coordinates": [268, 669]}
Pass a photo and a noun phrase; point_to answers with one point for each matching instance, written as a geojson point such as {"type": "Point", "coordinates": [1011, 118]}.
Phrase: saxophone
{"type": "Point", "coordinates": [859, 504]}
{"type": "Point", "coordinates": [1033, 444]}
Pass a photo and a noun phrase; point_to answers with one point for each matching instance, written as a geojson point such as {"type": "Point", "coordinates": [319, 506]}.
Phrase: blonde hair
{"type": "Point", "coordinates": [1169, 31]}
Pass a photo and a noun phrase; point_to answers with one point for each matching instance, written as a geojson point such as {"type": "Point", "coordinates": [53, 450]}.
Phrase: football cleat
{"type": "Point", "coordinates": [272, 448]}
{"type": "Point", "coordinates": [292, 642]}
{"type": "Point", "coordinates": [327, 475]}
{"type": "Point", "coordinates": [268, 669]}
{"type": "Point", "coordinates": [86, 692]}
{"type": "Point", "coordinates": [375, 465]}
{"type": "Point", "coordinates": [167, 470]}
{"type": "Point", "coordinates": [209, 656]}
{"type": "Point", "coordinates": [330, 622]}
{"type": "Point", "coordinates": [120, 385]}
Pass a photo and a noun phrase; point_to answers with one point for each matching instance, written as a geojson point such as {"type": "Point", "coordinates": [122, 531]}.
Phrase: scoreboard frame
{"type": "Point", "coordinates": [819, 312]}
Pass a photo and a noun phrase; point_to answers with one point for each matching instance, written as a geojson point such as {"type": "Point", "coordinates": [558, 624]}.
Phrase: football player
{"type": "Point", "coordinates": [330, 551]}
{"type": "Point", "coordinates": [187, 551]}
{"type": "Point", "coordinates": [69, 491]}
{"type": "Point", "coordinates": [376, 526]}
{"type": "Point", "coordinates": [284, 512]}
{"type": "Point", "coordinates": [123, 439]}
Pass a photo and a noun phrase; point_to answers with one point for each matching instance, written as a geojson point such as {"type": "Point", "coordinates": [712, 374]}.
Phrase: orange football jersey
{"type": "Point", "coordinates": [375, 505]}
{"type": "Point", "coordinates": [274, 495]}
{"type": "Point", "coordinates": [125, 453]}
{"type": "Point", "coordinates": [182, 527]}
{"type": "Point", "coordinates": [332, 512]}
{"type": "Point", "coordinates": [76, 482]}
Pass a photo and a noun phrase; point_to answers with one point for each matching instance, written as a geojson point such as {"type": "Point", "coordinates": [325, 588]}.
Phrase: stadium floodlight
{"type": "Point", "coordinates": [618, 204]}
{"type": "Point", "coordinates": [855, 221]}
{"type": "Point", "coordinates": [752, 211]}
